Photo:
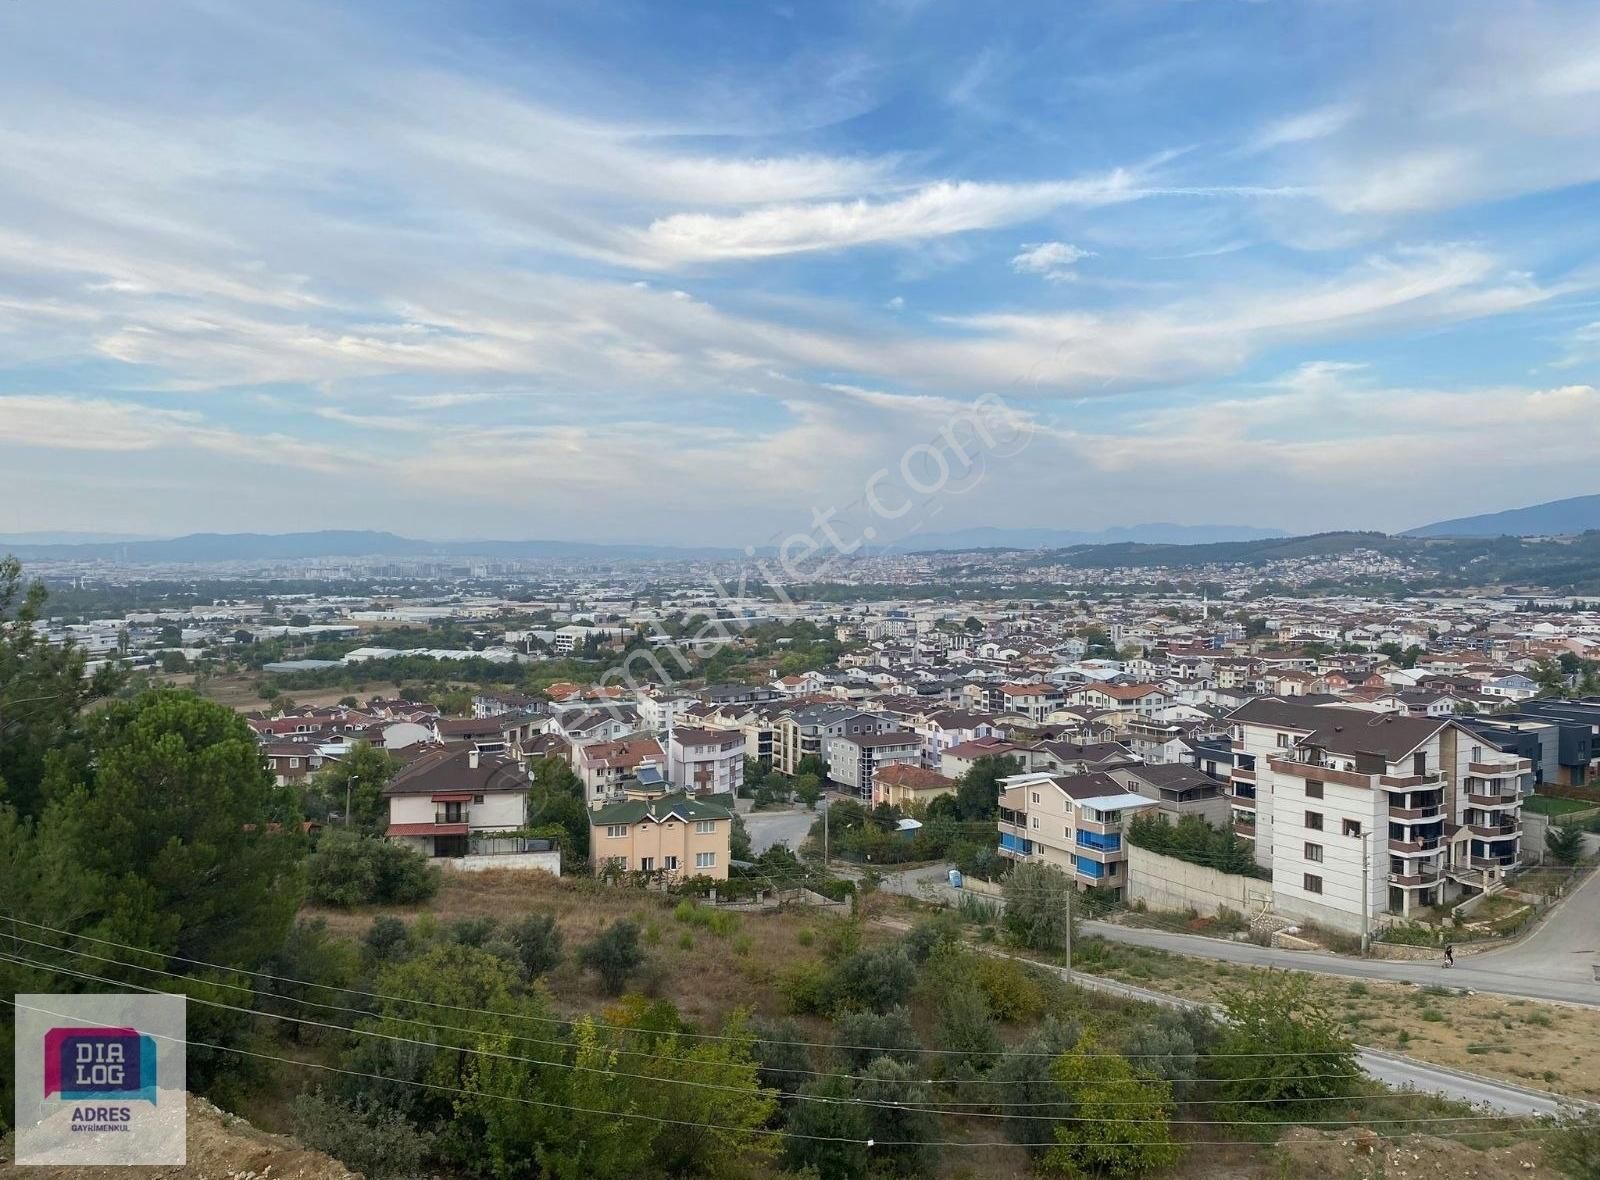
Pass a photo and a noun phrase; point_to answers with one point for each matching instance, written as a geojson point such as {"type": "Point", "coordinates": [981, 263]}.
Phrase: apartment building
{"type": "Point", "coordinates": [1072, 822]}
{"type": "Point", "coordinates": [854, 758]}
{"type": "Point", "coordinates": [676, 835]}
{"type": "Point", "coordinates": [1361, 814]}
{"type": "Point", "coordinates": [1033, 701]}
{"type": "Point", "coordinates": [602, 766]}
{"type": "Point", "coordinates": [1178, 790]}
{"type": "Point", "coordinates": [806, 731]}
{"type": "Point", "coordinates": [706, 761]}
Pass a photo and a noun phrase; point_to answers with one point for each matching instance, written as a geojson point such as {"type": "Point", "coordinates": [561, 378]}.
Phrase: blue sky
{"type": "Point", "coordinates": [692, 272]}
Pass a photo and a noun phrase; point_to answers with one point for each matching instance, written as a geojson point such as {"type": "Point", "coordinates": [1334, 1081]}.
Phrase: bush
{"type": "Point", "coordinates": [1279, 1049]}
{"type": "Point", "coordinates": [930, 934]}
{"type": "Point", "coordinates": [1025, 1091]}
{"type": "Point", "coordinates": [1565, 844]}
{"type": "Point", "coordinates": [376, 1141]}
{"type": "Point", "coordinates": [803, 987]}
{"type": "Point", "coordinates": [876, 980]}
{"type": "Point", "coordinates": [863, 1037]}
{"type": "Point", "coordinates": [1038, 907]}
{"type": "Point", "coordinates": [827, 1137]}
{"type": "Point", "coordinates": [1009, 987]}
{"type": "Point", "coordinates": [905, 1132]}
{"type": "Point", "coordinates": [387, 939]}
{"type": "Point", "coordinates": [1165, 1048]}
{"type": "Point", "coordinates": [1575, 1147]}
{"type": "Point", "coordinates": [348, 869]}
{"type": "Point", "coordinates": [471, 931]}
{"type": "Point", "coordinates": [1121, 1121]}
{"type": "Point", "coordinates": [1192, 839]}
{"type": "Point", "coordinates": [538, 942]}
{"type": "Point", "coordinates": [785, 1063]}
{"type": "Point", "coordinates": [614, 955]}
{"type": "Point", "coordinates": [966, 1029]}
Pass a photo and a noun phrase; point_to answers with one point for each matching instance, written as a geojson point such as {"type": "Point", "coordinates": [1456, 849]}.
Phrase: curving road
{"type": "Point", "coordinates": [1555, 962]}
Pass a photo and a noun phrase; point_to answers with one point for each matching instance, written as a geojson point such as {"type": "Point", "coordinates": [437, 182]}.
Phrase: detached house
{"type": "Point", "coordinates": [675, 835]}
{"type": "Point", "coordinates": [1072, 822]}
{"type": "Point", "coordinates": [466, 804]}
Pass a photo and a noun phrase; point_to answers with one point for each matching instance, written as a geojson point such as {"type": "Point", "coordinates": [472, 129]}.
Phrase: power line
{"type": "Point", "coordinates": [561, 1022]}
{"type": "Point", "coordinates": [693, 1123]}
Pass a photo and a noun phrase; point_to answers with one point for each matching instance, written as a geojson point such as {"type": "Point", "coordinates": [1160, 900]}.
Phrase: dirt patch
{"type": "Point", "coordinates": [1363, 1155]}
{"type": "Point", "coordinates": [221, 1146]}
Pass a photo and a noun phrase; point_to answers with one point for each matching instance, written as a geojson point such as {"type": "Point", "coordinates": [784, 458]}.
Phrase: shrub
{"type": "Point", "coordinates": [1278, 1049]}
{"type": "Point", "coordinates": [471, 931]}
{"type": "Point", "coordinates": [929, 934]}
{"type": "Point", "coordinates": [906, 1133]}
{"type": "Point", "coordinates": [1192, 839]}
{"type": "Point", "coordinates": [966, 1029]}
{"type": "Point", "coordinates": [863, 1037]}
{"type": "Point", "coordinates": [1575, 1147]}
{"type": "Point", "coordinates": [538, 942]}
{"type": "Point", "coordinates": [1121, 1121]}
{"type": "Point", "coordinates": [349, 869]}
{"type": "Point", "coordinates": [1026, 1093]}
{"type": "Point", "coordinates": [614, 955]}
{"type": "Point", "coordinates": [1038, 907]}
{"type": "Point", "coordinates": [827, 1137]}
{"type": "Point", "coordinates": [374, 1140]}
{"type": "Point", "coordinates": [802, 987]}
{"type": "Point", "coordinates": [1565, 844]}
{"type": "Point", "coordinates": [386, 940]}
{"type": "Point", "coordinates": [785, 1063]}
{"type": "Point", "coordinates": [1009, 987]}
{"type": "Point", "coordinates": [1164, 1048]}
{"type": "Point", "coordinates": [876, 980]}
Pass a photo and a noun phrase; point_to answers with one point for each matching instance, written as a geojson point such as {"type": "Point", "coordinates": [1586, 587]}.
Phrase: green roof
{"type": "Point", "coordinates": [679, 806]}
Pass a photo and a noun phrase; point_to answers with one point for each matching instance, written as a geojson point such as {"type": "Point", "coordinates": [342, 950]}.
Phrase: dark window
{"type": "Point", "coordinates": [1352, 827]}
{"type": "Point", "coordinates": [1419, 763]}
{"type": "Point", "coordinates": [1313, 883]}
{"type": "Point", "coordinates": [1314, 820]}
{"type": "Point", "coordinates": [1313, 789]}
{"type": "Point", "coordinates": [1314, 853]}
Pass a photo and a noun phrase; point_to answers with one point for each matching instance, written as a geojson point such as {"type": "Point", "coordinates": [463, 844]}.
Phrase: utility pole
{"type": "Point", "coordinates": [824, 834]}
{"type": "Point", "coordinates": [348, 783]}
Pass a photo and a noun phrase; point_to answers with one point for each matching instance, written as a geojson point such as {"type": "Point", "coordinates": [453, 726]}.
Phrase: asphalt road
{"type": "Point", "coordinates": [768, 828]}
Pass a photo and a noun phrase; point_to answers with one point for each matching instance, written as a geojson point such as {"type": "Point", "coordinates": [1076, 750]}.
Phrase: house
{"type": "Point", "coordinates": [1359, 813]}
{"type": "Point", "coordinates": [292, 762]}
{"type": "Point", "coordinates": [805, 731]}
{"type": "Point", "coordinates": [706, 761]}
{"type": "Point", "coordinates": [582, 727]}
{"type": "Point", "coordinates": [603, 765]}
{"type": "Point", "coordinates": [469, 805]}
{"type": "Point", "coordinates": [1071, 822]}
{"type": "Point", "coordinates": [1512, 687]}
{"type": "Point", "coordinates": [900, 784]}
{"type": "Point", "coordinates": [676, 835]}
{"type": "Point", "coordinates": [1178, 790]}
{"type": "Point", "coordinates": [853, 759]}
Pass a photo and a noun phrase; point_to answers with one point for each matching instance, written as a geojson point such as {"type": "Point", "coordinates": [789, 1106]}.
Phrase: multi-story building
{"type": "Point", "coordinates": [676, 835]}
{"type": "Point", "coordinates": [1359, 814]}
{"type": "Point", "coordinates": [706, 761]}
{"type": "Point", "coordinates": [806, 731]}
{"type": "Point", "coordinates": [903, 785]}
{"type": "Point", "coordinates": [854, 758]}
{"type": "Point", "coordinates": [456, 801]}
{"type": "Point", "coordinates": [1178, 790]}
{"type": "Point", "coordinates": [1072, 822]}
{"type": "Point", "coordinates": [603, 765]}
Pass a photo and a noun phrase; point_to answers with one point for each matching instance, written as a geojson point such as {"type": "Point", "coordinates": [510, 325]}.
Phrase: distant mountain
{"type": "Point", "coordinates": [68, 538]}
{"type": "Point", "coordinates": [1557, 518]}
{"type": "Point", "coordinates": [328, 543]}
{"type": "Point", "coordinates": [1137, 534]}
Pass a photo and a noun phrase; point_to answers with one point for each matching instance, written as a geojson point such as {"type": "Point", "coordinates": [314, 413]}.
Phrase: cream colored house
{"type": "Point", "coordinates": [1071, 822]}
{"type": "Point", "coordinates": [676, 835]}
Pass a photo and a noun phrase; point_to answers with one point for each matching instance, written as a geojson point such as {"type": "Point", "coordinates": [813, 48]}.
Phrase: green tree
{"type": "Point", "coordinates": [966, 1029]}
{"type": "Point", "coordinates": [863, 1037]}
{"type": "Point", "coordinates": [350, 869]}
{"type": "Point", "coordinates": [1278, 1048]}
{"type": "Point", "coordinates": [376, 1140]}
{"type": "Point", "coordinates": [1550, 678]}
{"type": "Point", "coordinates": [978, 791]}
{"type": "Point", "coordinates": [1574, 1149]}
{"type": "Point", "coordinates": [829, 1134]}
{"type": "Point", "coordinates": [1039, 907]}
{"type": "Point", "coordinates": [1564, 843]}
{"type": "Point", "coordinates": [174, 661]}
{"type": "Point", "coordinates": [1028, 1095]}
{"type": "Point", "coordinates": [906, 1133]}
{"type": "Point", "coordinates": [739, 846]}
{"type": "Point", "coordinates": [808, 788]}
{"type": "Point", "coordinates": [1121, 1122]}
{"type": "Point", "coordinates": [875, 980]}
{"type": "Point", "coordinates": [614, 955]}
{"type": "Point", "coordinates": [538, 942]}
{"type": "Point", "coordinates": [44, 694]}
{"type": "Point", "coordinates": [360, 775]}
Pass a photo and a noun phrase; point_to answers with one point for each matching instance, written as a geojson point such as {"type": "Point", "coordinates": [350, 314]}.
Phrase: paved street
{"type": "Point", "coordinates": [767, 828]}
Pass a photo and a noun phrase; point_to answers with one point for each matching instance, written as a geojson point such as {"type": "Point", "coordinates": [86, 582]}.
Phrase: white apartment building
{"type": "Point", "coordinates": [1072, 822]}
{"type": "Point", "coordinates": [705, 761]}
{"type": "Point", "coordinates": [854, 758]}
{"type": "Point", "coordinates": [1362, 814]}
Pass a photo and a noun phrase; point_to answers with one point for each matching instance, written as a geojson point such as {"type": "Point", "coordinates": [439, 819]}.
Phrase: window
{"type": "Point", "coordinates": [1419, 762]}
{"type": "Point", "coordinates": [477, 798]}
{"type": "Point", "coordinates": [1313, 789]}
{"type": "Point", "coordinates": [1352, 827]}
{"type": "Point", "coordinates": [1476, 755]}
{"type": "Point", "coordinates": [1312, 883]}
{"type": "Point", "coordinates": [1314, 853]}
{"type": "Point", "coordinates": [616, 831]}
{"type": "Point", "coordinates": [1283, 741]}
{"type": "Point", "coordinates": [705, 860]}
{"type": "Point", "coordinates": [647, 864]}
{"type": "Point", "coordinates": [1314, 820]}
{"type": "Point", "coordinates": [1036, 796]}
{"type": "Point", "coordinates": [1036, 823]}
{"type": "Point", "coordinates": [617, 862]}
{"type": "Point", "coordinates": [670, 863]}
{"type": "Point", "coordinates": [294, 763]}
{"type": "Point", "coordinates": [704, 827]}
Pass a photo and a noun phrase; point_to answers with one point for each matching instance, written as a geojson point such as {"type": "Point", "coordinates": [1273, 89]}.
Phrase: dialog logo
{"type": "Point", "coordinates": [101, 1079]}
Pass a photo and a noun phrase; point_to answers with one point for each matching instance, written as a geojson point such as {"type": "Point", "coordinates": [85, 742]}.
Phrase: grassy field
{"type": "Point", "coordinates": [1554, 805]}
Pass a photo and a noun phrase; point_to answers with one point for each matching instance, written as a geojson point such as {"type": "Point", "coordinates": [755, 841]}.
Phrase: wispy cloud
{"type": "Point", "coordinates": [1051, 260]}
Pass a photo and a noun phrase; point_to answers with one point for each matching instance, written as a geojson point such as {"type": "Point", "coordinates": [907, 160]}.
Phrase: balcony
{"type": "Point", "coordinates": [1244, 774]}
{"type": "Point", "coordinates": [1414, 847]}
{"type": "Point", "coordinates": [1319, 772]}
{"type": "Point", "coordinates": [1425, 875]}
{"type": "Point", "coordinates": [1494, 862]}
{"type": "Point", "coordinates": [1494, 831]}
{"type": "Point", "coordinates": [1499, 800]}
{"type": "Point", "coordinates": [1416, 814]}
{"type": "Point", "coordinates": [1410, 782]}
{"type": "Point", "coordinates": [1244, 831]}
{"type": "Point", "coordinates": [1501, 768]}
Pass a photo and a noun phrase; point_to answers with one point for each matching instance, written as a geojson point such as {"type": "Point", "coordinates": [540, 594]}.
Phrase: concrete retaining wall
{"type": "Point", "coordinates": [547, 862]}
{"type": "Point", "coordinates": [1167, 883]}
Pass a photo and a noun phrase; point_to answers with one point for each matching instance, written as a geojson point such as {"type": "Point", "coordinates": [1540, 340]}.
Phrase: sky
{"type": "Point", "coordinates": [698, 273]}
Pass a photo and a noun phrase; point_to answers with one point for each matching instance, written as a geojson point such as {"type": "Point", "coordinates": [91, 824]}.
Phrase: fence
{"type": "Point", "coordinates": [1167, 883]}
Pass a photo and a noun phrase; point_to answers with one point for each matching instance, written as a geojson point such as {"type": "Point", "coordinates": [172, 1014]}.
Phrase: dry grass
{"type": "Point", "coordinates": [1549, 1046]}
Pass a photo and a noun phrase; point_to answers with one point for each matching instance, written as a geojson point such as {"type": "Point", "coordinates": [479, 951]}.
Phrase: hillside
{"type": "Point", "coordinates": [1556, 518]}
{"type": "Point", "coordinates": [1050, 538]}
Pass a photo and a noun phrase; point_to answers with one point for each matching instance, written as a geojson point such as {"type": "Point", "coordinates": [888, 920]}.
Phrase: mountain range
{"type": "Point", "coordinates": [1040, 538]}
{"type": "Point", "coordinates": [1556, 518]}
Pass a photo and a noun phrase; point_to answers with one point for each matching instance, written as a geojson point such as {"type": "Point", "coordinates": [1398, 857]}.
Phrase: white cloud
{"type": "Point", "coordinates": [1052, 260]}
{"type": "Point", "coordinates": [1302, 128]}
